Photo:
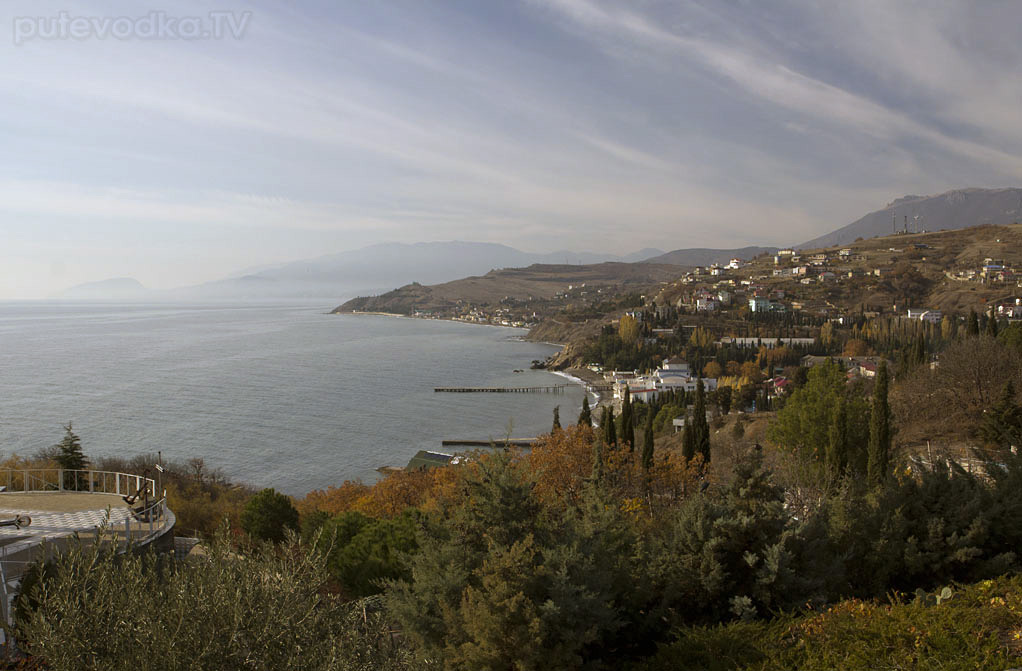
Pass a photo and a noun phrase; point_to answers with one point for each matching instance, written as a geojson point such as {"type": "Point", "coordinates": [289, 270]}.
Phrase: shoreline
{"type": "Point", "coordinates": [577, 380]}
{"type": "Point", "coordinates": [439, 319]}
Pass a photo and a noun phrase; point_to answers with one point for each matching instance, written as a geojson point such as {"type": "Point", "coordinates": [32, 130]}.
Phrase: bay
{"type": "Point", "coordinates": [283, 396]}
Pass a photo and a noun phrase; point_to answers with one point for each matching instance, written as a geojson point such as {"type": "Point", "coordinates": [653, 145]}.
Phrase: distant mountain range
{"type": "Point", "coordinates": [117, 288]}
{"type": "Point", "coordinates": [379, 268]}
{"type": "Point", "coordinates": [373, 269]}
{"type": "Point", "coordinates": [952, 210]}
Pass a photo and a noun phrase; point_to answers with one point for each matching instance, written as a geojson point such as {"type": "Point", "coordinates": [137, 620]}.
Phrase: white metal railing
{"type": "Point", "coordinates": [65, 480]}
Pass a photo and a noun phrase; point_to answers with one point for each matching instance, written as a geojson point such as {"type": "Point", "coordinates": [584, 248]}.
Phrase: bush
{"type": "Point", "coordinates": [364, 552]}
{"type": "Point", "coordinates": [100, 610]}
{"type": "Point", "coordinates": [268, 515]}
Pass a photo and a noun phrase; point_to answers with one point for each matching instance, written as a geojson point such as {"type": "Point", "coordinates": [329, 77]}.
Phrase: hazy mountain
{"type": "Point", "coordinates": [118, 288]}
{"type": "Point", "coordinates": [707, 257]}
{"type": "Point", "coordinates": [377, 269]}
{"type": "Point", "coordinates": [956, 209]}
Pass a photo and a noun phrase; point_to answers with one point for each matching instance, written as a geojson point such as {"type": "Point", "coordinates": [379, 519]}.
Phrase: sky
{"type": "Point", "coordinates": [236, 134]}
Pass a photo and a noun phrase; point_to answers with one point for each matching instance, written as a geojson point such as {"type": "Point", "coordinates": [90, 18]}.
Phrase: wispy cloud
{"type": "Point", "coordinates": [545, 123]}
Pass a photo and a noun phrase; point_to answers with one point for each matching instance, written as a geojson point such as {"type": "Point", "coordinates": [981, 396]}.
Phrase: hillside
{"type": "Point", "coordinates": [513, 287]}
{"type": "Point", "coordinates": [940, 270]}
{"type": "Point", "coordinates": [961, 208]}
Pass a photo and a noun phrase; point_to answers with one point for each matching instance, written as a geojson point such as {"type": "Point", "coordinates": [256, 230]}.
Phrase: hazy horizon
{"type": "Point", "coordinates": [184, 144]}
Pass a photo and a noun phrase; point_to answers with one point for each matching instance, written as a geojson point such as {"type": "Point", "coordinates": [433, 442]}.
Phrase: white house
{"type": "Point", "coordinates": [677, 366]}
{"type": "Point", "coordinates": [707, 304]}
{"type": "Point", "coordinates": [931, 316]}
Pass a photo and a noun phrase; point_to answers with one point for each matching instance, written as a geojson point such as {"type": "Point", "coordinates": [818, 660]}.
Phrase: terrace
{"type": "Point", "coordinates": [43, 510]}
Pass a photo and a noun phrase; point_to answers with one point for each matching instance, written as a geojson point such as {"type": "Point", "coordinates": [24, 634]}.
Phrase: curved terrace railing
{"type": "Point", "coordinates": [64, 480]}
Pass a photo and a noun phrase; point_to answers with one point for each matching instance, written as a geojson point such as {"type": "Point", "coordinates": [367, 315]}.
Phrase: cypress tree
{"type": "Point", "coordinates": [699, 423]}
{"type": "Point", "coordinates": [557, 420]}
{"type": "Point", "coordinates": [972, 327]}
{"type": "Point", "coordinates": [627, 436]}
{"type": "Point", "coordinates": [919, 353]}
{"type": "Point", "coordinates": [1002, 423]}
{"type": "Point", "coordinates": [688, 440]}
{"type": "Point", "coordinates": [837, 447]}
{"type": "Point", "coordinates": [992, 325]}
{"type": "Point", "coordinates": [585, 418]}
{"type": "Point", "coordinates": [879, 430]}
{"type": "Point", "coordinates": [647, 444]}
{"type": "Point", "coordinates": [597, 474]}
{"type": "Point", "coordinates": [607, 427]}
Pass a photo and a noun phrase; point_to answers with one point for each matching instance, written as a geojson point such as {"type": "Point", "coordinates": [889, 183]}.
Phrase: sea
{"type": "Point", "coordinates": [285, 396]}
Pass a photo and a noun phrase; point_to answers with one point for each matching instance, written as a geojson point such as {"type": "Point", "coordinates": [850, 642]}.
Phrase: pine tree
{"type": "Point", "coordinates": [879, 430]}
{"type": "Point", "coordinates": [627, 436]}
{"type": "Point", "coordinates": [972, 326]}
{"type": "Point", "coordinates": [557, 420]}
{"type": "Point", "coordinates": [71, 458]}
{"type": "Point", "coordinates": [585, 418]}
{"type": "Point", "coordinates": [647, 444]}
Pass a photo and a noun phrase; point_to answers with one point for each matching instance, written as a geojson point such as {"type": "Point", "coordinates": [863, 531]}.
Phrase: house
{"type": "Point", "coordinates": [780, 385]}
{"type": "Point", "coordinates": [1010, 310]}
{"type": "Point", "coordinates": [677, 366]}
{"type": "Point", "coordinates": [930, 316]}
{"type": "Point", "coordinates": [724, 297]}
{"type": "Point", "coordinates": [763, 304]}
{"type": "Point", "coordinates": [707, 304]}
{"type": "Point", "coordinates": [769, 343]}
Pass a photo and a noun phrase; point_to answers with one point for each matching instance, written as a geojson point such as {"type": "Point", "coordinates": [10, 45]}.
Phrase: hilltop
{"type": "Point", "coordinates": [701, 256]}
{"type": "Point", "coordinates": [957, 209]}
{"type": "Point", "coordinates": [521, 293]}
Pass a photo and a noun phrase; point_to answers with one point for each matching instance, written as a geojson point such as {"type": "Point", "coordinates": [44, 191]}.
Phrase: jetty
{"type": "Point", "coordinates": [496, 442]}
{"type": "Point", "coordinates": [549, 389]}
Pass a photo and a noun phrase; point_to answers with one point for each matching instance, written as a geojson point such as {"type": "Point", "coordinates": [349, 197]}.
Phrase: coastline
{"type": "Point", "coordinates": [577, 380]}
{"type": "Point", "coordinates": [439, 319]}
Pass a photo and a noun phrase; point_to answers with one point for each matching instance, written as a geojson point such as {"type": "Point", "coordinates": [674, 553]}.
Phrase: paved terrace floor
{"type": "Point", "coordinates": [59, 513]}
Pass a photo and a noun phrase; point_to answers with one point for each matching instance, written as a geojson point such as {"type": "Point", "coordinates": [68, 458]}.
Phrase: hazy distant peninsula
{"type": "Point", "coordinates": [117, 288]}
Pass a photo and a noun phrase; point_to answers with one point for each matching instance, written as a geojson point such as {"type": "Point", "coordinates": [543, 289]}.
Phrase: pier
{"type": "Point", "coordinates": [550, 389]}
{"type": "Point", "coordinates": [496, 442]}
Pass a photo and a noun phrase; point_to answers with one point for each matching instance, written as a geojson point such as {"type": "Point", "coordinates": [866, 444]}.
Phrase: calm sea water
{"type": "Point", "coordinates": [283, 396]}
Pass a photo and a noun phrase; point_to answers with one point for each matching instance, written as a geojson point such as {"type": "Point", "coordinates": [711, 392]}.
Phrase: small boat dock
{"type": "Point", "coordinates": [496, 442]}
{"type": "Point", "coordinates": [549, 389]}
